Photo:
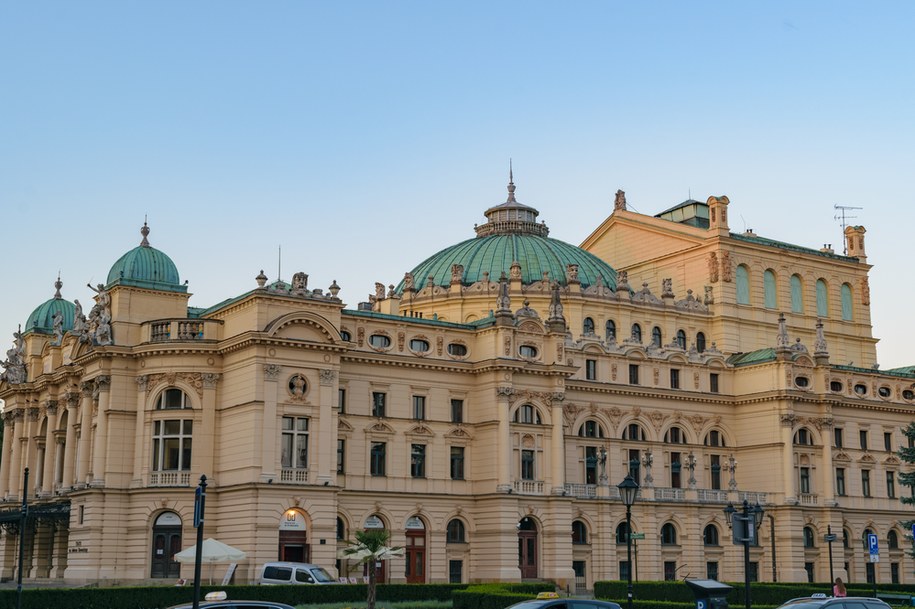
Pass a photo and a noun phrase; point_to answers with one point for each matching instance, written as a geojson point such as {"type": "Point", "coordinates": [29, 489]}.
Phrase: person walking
{"type": "Point", "coordinates": [839, 588]}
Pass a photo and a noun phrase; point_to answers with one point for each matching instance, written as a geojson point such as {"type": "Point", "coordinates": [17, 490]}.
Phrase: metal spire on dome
{"type": "Point", "coordinates": [511, 184]}
{"type": "Point", "coordinates": [145, 232]}
{"type": "Point", "coordinates": [58, 284]}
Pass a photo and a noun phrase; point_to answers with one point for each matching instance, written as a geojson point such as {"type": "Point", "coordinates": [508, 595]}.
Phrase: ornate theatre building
{"type": "Point", "coordinates": [482, 410]}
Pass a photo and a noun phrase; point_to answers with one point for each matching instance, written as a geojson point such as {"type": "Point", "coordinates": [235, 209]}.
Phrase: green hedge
{"type": "Point", "coordinates": [498, 596]}
{"type": "Point", "coordinates": [157, 597]}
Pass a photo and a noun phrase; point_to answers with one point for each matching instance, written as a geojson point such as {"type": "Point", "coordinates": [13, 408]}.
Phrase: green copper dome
{"type": "Point", "coordinates": [42, 318]}
{"type": "Point", "coordinates": [145, 267]}
{"type": "Point", "coordinates": [510, 235]}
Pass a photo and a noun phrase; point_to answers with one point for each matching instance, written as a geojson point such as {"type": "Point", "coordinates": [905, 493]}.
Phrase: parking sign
{"type": "Point", "coordinates": [872, 543]}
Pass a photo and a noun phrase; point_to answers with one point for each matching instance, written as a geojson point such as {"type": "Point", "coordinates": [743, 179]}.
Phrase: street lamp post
{"type": "Point", "coordinates": [744, 525]}
{"type": "Point", "coordinates": [830, 537]}
{"type": "Point", "coordinates": [629, 489]}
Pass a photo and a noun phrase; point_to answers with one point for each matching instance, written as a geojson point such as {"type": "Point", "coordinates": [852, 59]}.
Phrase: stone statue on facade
{"type": "Point", "coordinates": [503, 300]}
{"type": "Point", "coordinates": [79, 320]}
{"type": "Point", "coordinates": [14, 371]}
{"type": "Point", "coordinates": [57, 322]}
{"type": "Point", "coordinates": [619, 201]}
{"type": "Point", "coordinates": [781, 341]}
{"type": "Point", "coordinates": [300, 283]}
{"type": "Point", "coordinates": [408, 281]}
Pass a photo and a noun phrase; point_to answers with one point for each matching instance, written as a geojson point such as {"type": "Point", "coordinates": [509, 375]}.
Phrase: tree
{"type": "Point", "coordinates": [907, 454]}
{"type": "Point", "coordinates": [370, 547]}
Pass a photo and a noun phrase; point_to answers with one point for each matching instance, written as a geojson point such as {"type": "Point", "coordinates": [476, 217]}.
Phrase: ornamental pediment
{"type": "Point", "coordinates": [892, 460]}
{"type": "Point", "coordinates": [841, 456]}
{"type": "Point", "coordinates": [343, 425]}
{"type": "Point", "coordinates": [380, 427]}
{"type": "Point", "coordinates": [420, 430]}
{"type": "Point", "coordinates": [867, 459]}
{"type": "Point", "coordinates": [458, 433]}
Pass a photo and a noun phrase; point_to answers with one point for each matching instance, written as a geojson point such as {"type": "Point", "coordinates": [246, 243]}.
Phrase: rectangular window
{"type": "Point", "coordinates": [634, 461]}
{"type": "Point", "coordinates": [670, 570]}
{"type": "Point", "coordinates": [888, 441]}
{"type": "Point", "coordinates": [808, 567]}
{"type": "Point", "coordinates": [590, 465]}
{"type": "Point", "coordinates": [624, 570]}
{"type": "Point", "coordinates": [455, 571]}
{"type": "Point", "coordinates": [341, 456]}
{"type": "Point", "coordinates": [527, 465]}
{"type": "Point", "coordinates": [753, 572]}
{"type": "Point", "coordinates": [866, 482]}
{"type": "Point", "coordinates": [805, 480]}
{"type": "Point", "coordinates": [862, 435]}
{"type": "Point", "coordinates": [716, 472]}
{"type": "Point", "coordinates": [674, 378]}
{"type": "Point", "coordinates": [713, 382]}
{"type": "Point", "coordinates": [891, 485]}
{"type": "Point", "coordinates": [418, 460]}
{"type": "Point", "coordinates": [457, 462]}
{"type": "Point", "coordinates": [869, 571]}
{"type": "Point", "coordinates": [633, 374]}
{"type": "Point", "coordinates": [172, 445]}
{"type": "Point", "coordinates": [840, 481]}
{"type": "Point", "coordinates": [457, 411]}
{"type": "Point", "coordinates": [378, 459]}
{"type": "Point", "coordinates": [419, 407]}
{"type": "Point", "coordinates": [675, 467]}
{"type": "Point", "coordinates": [838, 439]}
{"type": "Point", "coordinates": [341, 400]}
{"type": "Point", "coordinates": [294, 443]}
{"type": "Point", "coordinates": [378, 403]}
{"type": "Point", "coordinates": [711, 570]}
{"type": "Point", "coordinates": [590, 369]}
{"type": "Point", "coordinates": [894, 572]}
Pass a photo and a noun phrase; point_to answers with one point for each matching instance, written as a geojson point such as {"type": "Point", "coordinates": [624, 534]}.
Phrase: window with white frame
{"type": "Point", "coordinates": [294, 443]}
{"type": "Point", "coordinates": [172, 440]}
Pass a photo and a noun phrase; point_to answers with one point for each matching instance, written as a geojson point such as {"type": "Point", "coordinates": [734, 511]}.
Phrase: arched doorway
{"type": "Point", "coordinates": [375, 522]}
{"type": "Point", "coordinates": [293, 545]}
{"type": "Point", "coordinates": [415, 551]}
{"type": "Point", "coordinates": [166, 542]}
{"type": "Point", "coordinates": [527, 548]}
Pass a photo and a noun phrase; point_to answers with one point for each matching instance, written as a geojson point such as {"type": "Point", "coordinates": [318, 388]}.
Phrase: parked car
{"type": "Point", "coordinates": [275, 573]}
{"type": "Point", "coordinates": [551, 600]}
{"type": "Point", "coordinates": [218, 600]}
{"type": "Point", "coordinates": [835, 602]}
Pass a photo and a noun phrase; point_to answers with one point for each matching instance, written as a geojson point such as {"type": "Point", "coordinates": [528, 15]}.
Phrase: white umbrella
{"type": "Point", "coordinates": [213, 551]}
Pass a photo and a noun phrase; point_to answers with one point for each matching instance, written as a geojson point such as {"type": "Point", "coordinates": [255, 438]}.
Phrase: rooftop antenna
{"type": "Point", "coordinates": [279, 262]}
{"type": "Point", "coordinates": [842, 217]}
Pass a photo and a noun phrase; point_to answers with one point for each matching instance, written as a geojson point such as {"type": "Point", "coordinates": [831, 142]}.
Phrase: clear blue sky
{"type": "Point", "coordinates": [365, 136]}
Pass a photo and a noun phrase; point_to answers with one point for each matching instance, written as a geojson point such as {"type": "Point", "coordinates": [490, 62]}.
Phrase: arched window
{"type": "Point", "coordinates": [710, 535]}
{"type": "Point", "coordinates": [527, 414]}
{"type": "Point", "coordinates": [590, 429]}
{"type": "Point", "coordinates": [700, 342]}
{"type": "Point", "coordinates": [579, 532]}
{"type": "Point", "coordinates": [865, 535]}
{"type": "Point", "coordinates": [637, 333]}
{"type": "Point", "coordinates": [845, 537]}
{"type": "Point", "coordinates": [808, 537]}
{"type": "Point", "coordinates": [803, 437]}
{"type": "Point", "coordinates": [681, 339]}
{"type": "Point", "coordinates": [610, 329]}
{"type": "Point", "coordinates": [743, 285]}
{"type": "Point", "coordinates": [668, 535]}
{"type": "Point", "coordinates": [770, 299]}
{"type": "Point", "coordinates": [341, 528]}
{"type": "Point", "coordinates": [797, 294]}
{"type": "Point", "coordinates": [847, 313]}
{"type": "Point", "coordinates": [656, 336]}
{"type": "Point", "coordinates": [455, 532]}
{"type": "Point", "coordinates": [588, 326]}
{"type": "Point", "coordinates": [714, 438]}
{"type": "Point", "coordinates": [172, 399]}
{"type": "Point", "coordinates": [622, 531]}
{"type": "Point", "coordinates": [675, 435]}
{"type": "Point", "coordinates": [822, 299]}
{"type": "Point", "coordinates": [634, 432]}
{"type": "Point", "coordinates": [892, 540]}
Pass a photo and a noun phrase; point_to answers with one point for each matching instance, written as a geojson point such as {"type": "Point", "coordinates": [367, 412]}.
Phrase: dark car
{"type": "Point", "coordinates": [225, 603]}
{"type": "Point", "coordinates": [549, 601]}
{"type": "Point", "coordinates": [835, 602]}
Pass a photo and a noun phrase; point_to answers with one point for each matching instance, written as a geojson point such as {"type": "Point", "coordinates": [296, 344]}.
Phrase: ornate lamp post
{"type": "Point", "coordinates": [629, 489]}
{"type": "Point", "coordinates": [745, 525]}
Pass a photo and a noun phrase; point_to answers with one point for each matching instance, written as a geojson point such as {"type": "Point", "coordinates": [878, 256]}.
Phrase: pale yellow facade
{"type": "Point", "coordinates": [482, 425]}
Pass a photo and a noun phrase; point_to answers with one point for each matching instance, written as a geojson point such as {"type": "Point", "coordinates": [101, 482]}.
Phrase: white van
{"type": "Point", "coordinates": [274, 573]}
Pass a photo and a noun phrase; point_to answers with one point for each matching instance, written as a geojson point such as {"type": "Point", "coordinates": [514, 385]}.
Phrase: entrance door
{"type": "Point", "coordinates": [293, 538]}
{"type": "Point", "coordinates": [166, 543]}
{"type": "Point", "coordinates": [416, 556]}
{"type": "Point", "coordinates": [527, 548]}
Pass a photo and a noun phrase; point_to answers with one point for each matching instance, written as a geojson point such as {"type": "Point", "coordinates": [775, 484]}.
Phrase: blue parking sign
{"type": "Point", "coordinates": [872, 543]}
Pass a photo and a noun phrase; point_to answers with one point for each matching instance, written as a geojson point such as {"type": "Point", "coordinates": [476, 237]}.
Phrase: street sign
{"type": "Point", "coordinates": [199, 501]}
{"type": "Point", "coordinates": [830, 537]}
{"type": "Point", "coordinates": [872, 545]}
{"type": "Point", "coordinates": [875, 558]}
{"type": "Point", "coordinates": [913, 530]}
{"type": "Point", "coordinates": [637, 536]}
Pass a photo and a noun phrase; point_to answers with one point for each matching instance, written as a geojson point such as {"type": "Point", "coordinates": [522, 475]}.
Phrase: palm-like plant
{"type": "Point", "coordinates": [370, 547]}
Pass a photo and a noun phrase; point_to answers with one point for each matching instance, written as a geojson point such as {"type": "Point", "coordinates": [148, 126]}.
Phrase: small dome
{"type": "Point", "coordinates": [146, 267]}
{"type": "Point", "coordinates": [42, 319]}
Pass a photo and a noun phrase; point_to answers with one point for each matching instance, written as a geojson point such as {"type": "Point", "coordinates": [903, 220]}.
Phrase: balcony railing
{"type": "Point", "coordinates": [165, 330]}
{"type": "Point", "coordinates": [709, 495]}
{"type": "Point", "coordinates": [294, 476]}
{"type": "Point", "coordinates": [169, 479]}
{"type": "Point", "coordinates": [585, 491]}
{"type": "Point", "coordinates": [669, 494]}
{"type": "Point", "coordinates": [529, 487]}
{"type": "Point", "coordinates": [808, 499]}
{"type": "Point", "coordinates": [753, 497]}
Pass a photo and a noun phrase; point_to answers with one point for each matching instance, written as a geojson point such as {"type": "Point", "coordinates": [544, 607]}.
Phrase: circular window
{"type": "Point", "coordinates": [457, 350]}
{"type": "Point", "coordinates": [835, 386]}
{"type": "Point", "coordinates": [379, 341]}
{"type": "Point", "coordinates": [861, 389]}
{"type": "Point", "coordinates": [802, 381]}
{"type": "Point", "coordinates": [419, 345]}
{"type": "Point", "coordinates": [884, 392]}
{"type": "Point", "coordinates": [528, 351]}
{"type": "Point", "coordinates": [345, 335]}
{"type": "Point", "coordinates": [908, 394]}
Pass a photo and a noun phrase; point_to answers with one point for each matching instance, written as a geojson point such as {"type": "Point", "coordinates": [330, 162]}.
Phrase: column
{"type": "Point", "coordinates": [15, 455]}
{"type": "Point", "coordinates": [327, 438]}
{"type": "Point", "coordinates": [100, 443]}
{"type": "Point", "coordinates": [558, 446]}
{"type": "Point", "coordinates": [141, 447]}
{"type": "Point", "coordinates": [67, 478]}
{"type": "Point", "coordinates": [85, 432]}
{"type": "Point", "coordinates": [829, 493]}
{"type": "Point", "coordinates": [504, 441]}
{"type": "Point", "coordinates": [50, 450]}
{"type": "Point", "coordinates": [205, 449]}
{"type": "Point", "coordinates": [269, 423]}
{"type": "Point", "coordinates": [6, 453]}
{"type": "Point", "coordinates": [787, 421]}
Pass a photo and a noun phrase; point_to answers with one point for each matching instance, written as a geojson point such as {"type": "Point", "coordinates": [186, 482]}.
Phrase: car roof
{"type": "Point", "coordinates": [820, 601]}
{"type": "Point", "coordinates": [232, 602]}
{"type": "Point", "coordinates": [558, 602]}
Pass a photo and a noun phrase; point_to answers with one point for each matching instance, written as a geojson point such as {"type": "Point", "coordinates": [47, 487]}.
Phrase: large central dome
{"type": "Point", "coordinates": [512, 234]}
